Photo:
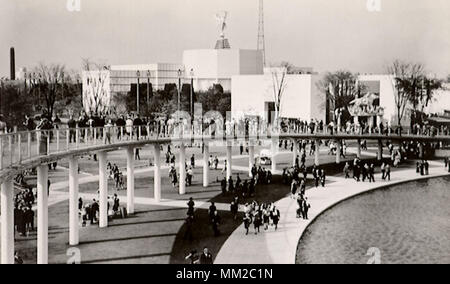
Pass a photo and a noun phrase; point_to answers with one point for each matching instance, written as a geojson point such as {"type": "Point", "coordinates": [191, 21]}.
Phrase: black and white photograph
{"type": "Point", "coordinates": [235, 133]}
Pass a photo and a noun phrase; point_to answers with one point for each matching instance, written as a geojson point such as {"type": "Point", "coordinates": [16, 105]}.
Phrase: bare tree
{"type": "Point", "coordinates": [279, 83]}
{"type": "Point", "coordinates": [406, 84]}
{"type": "Point", "coordinates": [95, 92]}
{"type": "Point", "coordinates": [341, 88]}
{"type": "Point", "coordinates": [51, 84]}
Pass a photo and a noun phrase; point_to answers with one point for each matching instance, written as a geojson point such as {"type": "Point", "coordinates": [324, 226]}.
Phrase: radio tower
{"type": "Point", "coordinates": [261, 45]}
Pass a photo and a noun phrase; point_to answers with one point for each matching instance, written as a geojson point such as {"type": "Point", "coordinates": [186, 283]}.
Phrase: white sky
{"type": "Point", "coordinates": [324, 34]}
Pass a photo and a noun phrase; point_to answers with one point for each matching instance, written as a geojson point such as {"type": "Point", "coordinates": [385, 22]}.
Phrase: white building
{"type": "Point", "coordinates": [384, 86]}
{"type": "Point", "coordinates": [217, 66]}
{"type": "Point", "coordinates": [253, 95]}
{"type": "Point", "coordinates": [205, 67]}
{"type": "Point", "coordinates": [158, 74]}
{"type": "Point", "coordinates": [441, 101]}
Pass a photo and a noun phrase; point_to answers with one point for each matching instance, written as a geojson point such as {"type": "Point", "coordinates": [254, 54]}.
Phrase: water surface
{"type": "Point", "coordinates": [408, 223]}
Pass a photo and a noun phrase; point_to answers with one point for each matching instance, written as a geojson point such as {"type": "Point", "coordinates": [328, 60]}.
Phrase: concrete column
{"type": "Point", "coordinates": [317, 153]}
{"type": "Point", "coordinates": [421, 153]}
{"type": "Point", "coordinates": [182, 189]}
{"type": "Point", "coordinates": [58, 148]}
{"type": "Point", "coordinates": [130, 180]}
{"type": "Point", "coordinates": [229, 160]}
{"type": "Point", "coordinates": [251, 159]}
{"type": "Point", "coordinates": [19, 148]}
{"type": "Point", "coordinates": [1, 153]}
{"type": "Point", "coordinates": [295, 152]}
{"type": "Point", "coordinates": [7, 222]}
{"type": "Point", "coordinates": [103, 185]}
{"type": "Point", "coordinates": [42, 219]}
{"type": "Point", "coordinates": [29, 145]}
{"type": "Point", "coordinates": [358, 149]}
{"type": "Point", "coordinates": [338, 151]}
{"type": "Point", "coordinates": [274, 154]}
{"type": "Point", "coordinates": [205, 165]}
{"type": "Point", "coordinates": [380, 150]}
{"type": "Point", "coordinates": [73, 202]}
{"type": "Point", "coordinates": [157, 173]}
{"type": "Point", "coordinates": [68, 139]}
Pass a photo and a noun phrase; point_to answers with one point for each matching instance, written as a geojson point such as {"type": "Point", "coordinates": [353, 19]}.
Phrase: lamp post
{"type": "Point", "coordinates": [148, 90]}
{"type": "Point", "coordinates": [191, 107]}
{"type": "Point", "coordinates": [138, 74]}
{"type": "Point", "coordinates": [179, 89]}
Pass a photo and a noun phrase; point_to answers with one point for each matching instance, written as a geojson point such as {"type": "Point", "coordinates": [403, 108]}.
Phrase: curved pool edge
{"type": "Point", "coordinates": [280, 247]}
{"type": "Point", "coordinates": [383, 187]}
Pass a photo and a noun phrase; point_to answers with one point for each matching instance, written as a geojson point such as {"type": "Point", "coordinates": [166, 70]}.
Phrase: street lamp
{"type": "Point", "coordinates": [138, 74]}
{"type": "Point", "coordinates": [148, 89]}
{"type": "Point", "coordinates": [191, 108]}
{"type": "Point", "coordinates": [179, 88]}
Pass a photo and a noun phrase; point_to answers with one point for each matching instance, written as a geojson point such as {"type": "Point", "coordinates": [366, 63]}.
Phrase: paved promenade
{"type": "Point", "coordinates": [280, 247]}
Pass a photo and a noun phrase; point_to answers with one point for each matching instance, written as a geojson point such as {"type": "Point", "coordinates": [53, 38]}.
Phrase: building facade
{"type": "Point", "coordinates": [205, 68]}
{"type": "Point", "coordinates": [254, 95]}
{"type": "Point", "coordinates": [218, 66]}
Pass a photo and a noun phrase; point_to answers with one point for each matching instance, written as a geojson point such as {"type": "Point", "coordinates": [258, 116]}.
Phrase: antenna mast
{"type": "Point", "coordinates": [261, 45]}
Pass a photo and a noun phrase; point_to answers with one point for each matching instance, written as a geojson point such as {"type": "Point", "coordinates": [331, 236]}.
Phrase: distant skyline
{"type": "Point", "coordinates": [323, 34]}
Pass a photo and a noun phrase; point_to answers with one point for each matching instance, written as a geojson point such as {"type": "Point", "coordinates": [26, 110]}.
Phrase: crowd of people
{"type": "Point", "coordinates": [166, 125]}
{"type": "Point", "coordinates": [116, 175]}
{"type": "Point", "coordinates": [23, 211]}
{"type": "Point", "coordinates": [205, 258]}
{"type": "Point", "coordinates": [90, 212]}
{"type": "Point", "coordinates": [365, 171]}
{"type": "Point", "coordinates": [423, 167]}
{"type": "Point", "coordinates": [259, 215]}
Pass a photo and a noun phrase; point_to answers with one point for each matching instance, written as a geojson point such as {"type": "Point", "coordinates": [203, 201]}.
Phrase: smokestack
{"type": "Point", "coordinates": [13, 64]}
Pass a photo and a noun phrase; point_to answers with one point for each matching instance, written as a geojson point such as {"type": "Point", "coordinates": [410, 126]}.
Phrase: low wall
{"type": "Point", "coordinates": [442, 153]}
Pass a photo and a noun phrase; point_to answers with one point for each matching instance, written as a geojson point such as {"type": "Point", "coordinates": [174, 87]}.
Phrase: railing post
{"type": "Point", "coordinates": [95, 136]}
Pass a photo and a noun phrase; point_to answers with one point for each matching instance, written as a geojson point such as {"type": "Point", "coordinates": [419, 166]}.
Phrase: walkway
{"type": "Point", "coordinates": [279, 247]}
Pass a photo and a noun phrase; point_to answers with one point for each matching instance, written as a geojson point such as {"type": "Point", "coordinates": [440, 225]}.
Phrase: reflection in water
{"type": "Point", "coordinates": [408, 223]}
